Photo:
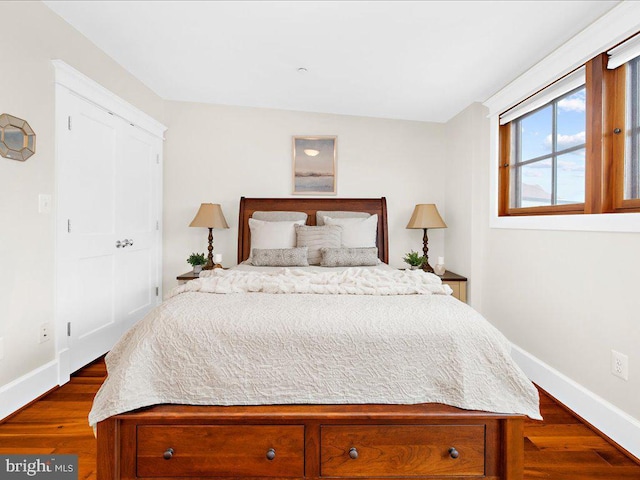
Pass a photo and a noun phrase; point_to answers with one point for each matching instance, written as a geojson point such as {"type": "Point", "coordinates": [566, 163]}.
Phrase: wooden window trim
{"type": "Point", "coordinates": [597, 159]}
{"type": "Point", "coordinates": [503, 171]}
{"type": "Point", "coordinates": [566, 209]}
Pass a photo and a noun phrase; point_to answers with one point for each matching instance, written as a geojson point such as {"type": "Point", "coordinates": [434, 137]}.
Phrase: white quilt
{"type": "Point", "coordinates": [289, 336]}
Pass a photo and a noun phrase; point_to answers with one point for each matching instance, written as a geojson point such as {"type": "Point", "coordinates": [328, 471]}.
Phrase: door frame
{"type": "Point", "coordinates": [69, 81]}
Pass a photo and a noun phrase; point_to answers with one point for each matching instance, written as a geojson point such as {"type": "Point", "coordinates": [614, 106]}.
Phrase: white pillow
{"type": "Point", "coordinates": [356, 232]}
{"type": "Point", "coordinates": [268, 235]}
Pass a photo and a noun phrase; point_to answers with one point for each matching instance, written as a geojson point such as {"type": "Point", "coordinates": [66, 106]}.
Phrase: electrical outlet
{"type": "Point", "coordinates": [620, 365]}
{"type": "Point", "coordinates": [44, 333]}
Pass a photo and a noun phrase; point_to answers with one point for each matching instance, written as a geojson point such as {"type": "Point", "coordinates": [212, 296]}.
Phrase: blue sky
{"type": "Point", "coordinates": [537, 141]}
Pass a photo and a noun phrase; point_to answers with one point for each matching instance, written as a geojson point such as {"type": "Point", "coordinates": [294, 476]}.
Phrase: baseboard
{"type": "Point", "coordinates": [619, 426]}
{"type": "Point", "coordinates": [27, 388]}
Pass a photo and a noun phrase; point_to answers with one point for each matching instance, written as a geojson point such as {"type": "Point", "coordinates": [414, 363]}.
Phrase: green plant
{"type": "Point", "coordinates": [196, 259]}
{"type": "Point", "coordinates": [414, 259]}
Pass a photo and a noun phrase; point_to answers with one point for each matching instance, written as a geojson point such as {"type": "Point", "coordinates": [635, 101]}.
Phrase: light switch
{"type": "Point", "coordinates": [44, 203]}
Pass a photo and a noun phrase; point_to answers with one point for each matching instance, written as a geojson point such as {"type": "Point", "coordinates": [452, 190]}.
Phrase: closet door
{"type": "Point", "coordinates": [136, 218]}
{"type": "Point", "coordinates": [88, 164]}
{"type": "Point", "coordinates": [108, 204]}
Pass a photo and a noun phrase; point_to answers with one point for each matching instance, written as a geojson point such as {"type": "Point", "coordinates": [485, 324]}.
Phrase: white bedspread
{"type": "Point", "coordinates": [350, 281]}
{"type": "Point", "coordinates": [369, 338]}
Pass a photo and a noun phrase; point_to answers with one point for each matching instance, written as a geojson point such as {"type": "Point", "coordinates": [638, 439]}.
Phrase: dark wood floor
{"type": "Point", "coordinates": [559, 448]}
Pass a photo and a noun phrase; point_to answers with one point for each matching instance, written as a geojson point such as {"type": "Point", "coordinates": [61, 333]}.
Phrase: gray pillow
{"type": "Point", "coordinates": [279, 257]}
{"type": "Point", "coordinates": [279, 216]}
{"type": "Point", "coordinates": [349, 257]}
{"type": "Point", "coordinates": [338, 214]}
{"type": "Point", "coordinates": [315, 238]}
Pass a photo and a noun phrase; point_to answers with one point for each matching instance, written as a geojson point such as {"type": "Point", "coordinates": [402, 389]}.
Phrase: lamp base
{"type": "Point", "coordinates": [425, 251]}
{"type": "Point", "coordinates": [427, 268]}
{"type": "Point", "coordinates": [210, 264]}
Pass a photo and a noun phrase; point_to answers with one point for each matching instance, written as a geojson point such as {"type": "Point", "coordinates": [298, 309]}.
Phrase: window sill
{"type": "Point", "coordinates": [604, 222]}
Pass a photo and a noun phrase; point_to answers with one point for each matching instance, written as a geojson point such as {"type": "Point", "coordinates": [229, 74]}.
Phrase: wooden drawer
{"type": "Point", "coordinates": [455, 286]}
{"type": "Point", "coordinates": [402, 451]}
{"type": "Point", "coordinates": [226, 450]}
{"type": "Point", "coordinates": [459, 289]}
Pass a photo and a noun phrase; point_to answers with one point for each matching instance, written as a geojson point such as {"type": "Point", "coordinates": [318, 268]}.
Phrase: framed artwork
{"type": "Point", "coordinates": [314, 165]}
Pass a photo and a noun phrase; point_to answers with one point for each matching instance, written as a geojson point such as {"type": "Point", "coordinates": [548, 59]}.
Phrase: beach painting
{"type": "Point", "coordinates": [314, 165]}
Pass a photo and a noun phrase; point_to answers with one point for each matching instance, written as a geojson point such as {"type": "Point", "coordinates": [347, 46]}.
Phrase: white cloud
{"type": "Point", "coordinates": [572, 104]}
{"type": "Point", "coordinates": [566, 141]}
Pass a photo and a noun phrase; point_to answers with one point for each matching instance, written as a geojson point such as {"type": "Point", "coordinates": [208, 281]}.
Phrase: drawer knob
{"type": "Point", "coordinates": [453, 453]}
{"type": "Point", "coordinates": [168, 454]}
{"type": "Point", "coordinates": [353, 453]}
{"type": "Point", "coordinates": [271, 454]}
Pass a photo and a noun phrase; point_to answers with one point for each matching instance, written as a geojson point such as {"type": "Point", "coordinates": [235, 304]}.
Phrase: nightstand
{"type": "Point", "coordinates": [185, 277]}
{"type": "Point", "coordinates": [458, 284]}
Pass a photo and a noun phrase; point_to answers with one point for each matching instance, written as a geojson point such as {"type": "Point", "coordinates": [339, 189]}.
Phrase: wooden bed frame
{"type": "Point", "coordinates": [346, 442]}
{"type": "Point", "coordinates": [310, 206]}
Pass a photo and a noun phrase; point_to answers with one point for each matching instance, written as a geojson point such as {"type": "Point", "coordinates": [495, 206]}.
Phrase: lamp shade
{"type": "Point", "coordinates": [209, 216]}
{"type": "Point", "coordinates": [426, 215]}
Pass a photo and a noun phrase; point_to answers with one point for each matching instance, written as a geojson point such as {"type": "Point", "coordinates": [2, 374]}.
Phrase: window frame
{"type": "Point", "coordinates": [505, 170]}
{"type": "Point", "coordinates": [604, 153]}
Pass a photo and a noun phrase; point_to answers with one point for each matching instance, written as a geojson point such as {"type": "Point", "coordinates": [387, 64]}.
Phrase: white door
{"type": "Point", "coordinates": [107, 237]}
{"type": "Point", "coordinates": [136, 221]}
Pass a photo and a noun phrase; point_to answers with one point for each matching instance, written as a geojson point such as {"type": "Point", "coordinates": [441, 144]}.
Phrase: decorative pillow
{"type": "Point", "coordinates": [320, 214]}
{"type": "Point", "coordinates": [356, 232]}
{"type": "Point", "coordinates": [314, 238]}
{"type": "Point", "coordinates": [279, 257]}
{"type": "Point", "coordinates": [279, 216]}
{"type": "Point", "coordinates": [349, 257]}
{"type": "Point", "coordinates": [273, 234]}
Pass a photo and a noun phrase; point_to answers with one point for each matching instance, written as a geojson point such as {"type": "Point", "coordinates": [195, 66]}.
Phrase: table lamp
{"type": "Point", "coordinates": [209, 216]}
{"type": "Point", "coordinates": [426, 215]}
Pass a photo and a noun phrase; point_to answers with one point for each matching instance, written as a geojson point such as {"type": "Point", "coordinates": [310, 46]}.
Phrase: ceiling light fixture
{"type": "Point", "coordinates": [311, 152]}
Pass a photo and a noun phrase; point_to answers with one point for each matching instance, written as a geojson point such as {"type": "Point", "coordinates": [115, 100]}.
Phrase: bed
{"type": "Point", "coordinates": [310, 439]}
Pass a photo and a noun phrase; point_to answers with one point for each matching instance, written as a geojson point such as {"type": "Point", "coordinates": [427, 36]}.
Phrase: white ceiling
{"type": "Point", "coordinates": [420, 60]}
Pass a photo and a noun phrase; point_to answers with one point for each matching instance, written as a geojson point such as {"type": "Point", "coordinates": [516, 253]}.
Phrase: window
{"type": "Point", "coordinates": [574, 147]}
{"type": "Point", "coordinates": [624, 63]}
{"type": "Point", "coordinates": [548, 154]}
{"type": "Point", "coordinates": [632, 134]}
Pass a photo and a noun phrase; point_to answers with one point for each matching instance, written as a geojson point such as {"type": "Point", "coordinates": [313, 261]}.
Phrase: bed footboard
{"type": "Point", "coordinates": [311, 442]}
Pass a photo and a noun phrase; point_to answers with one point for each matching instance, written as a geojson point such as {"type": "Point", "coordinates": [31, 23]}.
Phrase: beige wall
{"type": "Point", "coordinates": [218, 154]}
{"type": "Point", "coordinates": [467, 137]}
{"type": "Point", "coordinates": [34, 35]}
{"type": "Point", "coordinates": [567, 298]}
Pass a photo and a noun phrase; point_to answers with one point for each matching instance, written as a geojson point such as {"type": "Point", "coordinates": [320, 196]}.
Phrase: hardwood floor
{"type": "Point", "coordinates": [559, 448]}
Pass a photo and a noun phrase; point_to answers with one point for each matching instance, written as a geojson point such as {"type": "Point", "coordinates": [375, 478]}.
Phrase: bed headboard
{"type": "Point", "coordinates": [310, 206]}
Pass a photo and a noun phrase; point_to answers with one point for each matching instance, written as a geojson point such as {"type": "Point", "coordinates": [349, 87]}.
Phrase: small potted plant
{"type": "Point", "coordinates": [197, 261]}
{"type": "Point", "coordinates": [414, 259]}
